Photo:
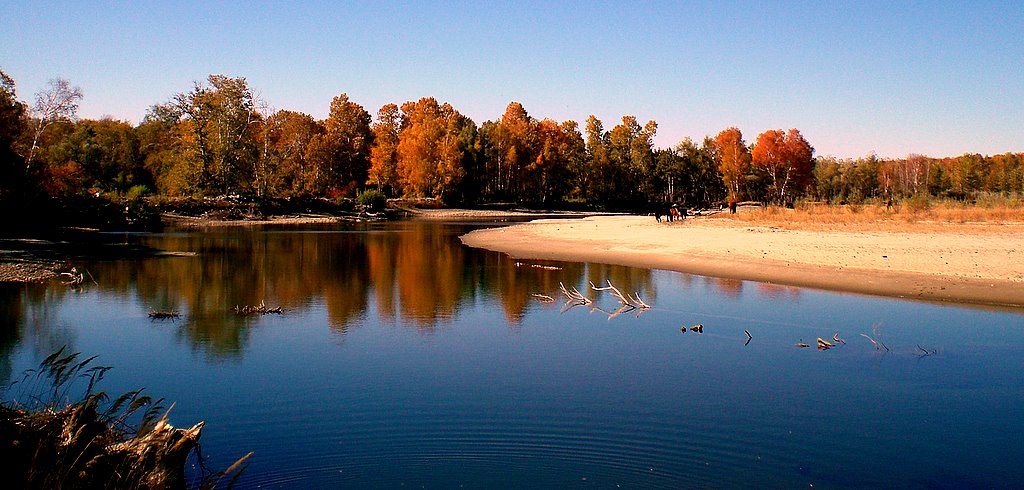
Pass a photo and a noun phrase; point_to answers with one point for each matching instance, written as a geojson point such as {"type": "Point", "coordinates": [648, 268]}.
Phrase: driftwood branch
{"type": "Point", "coordinates": [543, 298]}
{"type": "Point", "coordinates": [633, 300]}
{"type": "Point", "coordinates": [575, 298]}
{"type": "Point", "coordinates": [260, 309]}
{"type": "Point", "coordinates": [163, 315]}
{"type": "Point", "coordinates": [539, 266]}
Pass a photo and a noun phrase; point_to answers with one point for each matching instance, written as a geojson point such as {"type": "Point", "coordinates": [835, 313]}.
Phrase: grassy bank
{"type": "Point", "coordinates": [917, 213]}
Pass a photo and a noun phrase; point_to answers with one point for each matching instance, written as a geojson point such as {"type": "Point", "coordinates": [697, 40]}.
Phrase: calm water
{"type": "Point", "coordinates": [406, 359]}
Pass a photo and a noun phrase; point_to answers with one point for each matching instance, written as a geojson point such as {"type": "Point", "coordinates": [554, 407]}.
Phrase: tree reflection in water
{"type": "Point", "coordinates": [412, 274]}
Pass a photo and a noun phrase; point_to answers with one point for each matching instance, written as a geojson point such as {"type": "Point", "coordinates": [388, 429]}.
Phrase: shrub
{"type": "Point", "coordinates": [373, 200]}
{"type": "Point", "coordinates": [137, 192]}
{"type": "Point", "coordinates": [918, 203]}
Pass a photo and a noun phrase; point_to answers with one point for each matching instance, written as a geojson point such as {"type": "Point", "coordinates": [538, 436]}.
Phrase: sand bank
{"type": "Point", "coordinates": [933, 263]}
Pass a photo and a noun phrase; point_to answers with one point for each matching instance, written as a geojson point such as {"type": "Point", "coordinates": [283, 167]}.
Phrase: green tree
{"type": "Point", "coordinates": [106, 153]}
{"type": "Point", "coordinates": [597, 179]}
{"type": "Point", "coordinates": [631, 156]}
{"type": "Point", "coordinates": [159, 142]}
{"type": "Point", "coordinates": [59, 101]}
{"type": "Point", "coordinates": [828, 179]}
{"type": "Point", "coordinates": [965, 174]}
{"type": "Point", "coordinates": [702, 182]}
{"type": "Point", "coordinates": [218, 135]}
{"type": "Point", "coordinates": [12, 127]}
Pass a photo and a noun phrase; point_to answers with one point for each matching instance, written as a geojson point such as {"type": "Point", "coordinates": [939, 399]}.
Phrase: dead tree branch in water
{"type": "Point", "coordinates": [876, 341]}
{"type": "Point", "coordinates": [635, 301]}
{"type": "Point", "coordinates": [576, 298]}
{"type": "Point", "coordinates": [163, 315]}
{"type": "Point", "coordinates": [260, 309]}
{"type": "Point", "coordinates": [539, 266]}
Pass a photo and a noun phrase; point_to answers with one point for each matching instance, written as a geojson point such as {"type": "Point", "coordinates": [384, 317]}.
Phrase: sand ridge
{"type": "Point", "coordinates": [931, 263]}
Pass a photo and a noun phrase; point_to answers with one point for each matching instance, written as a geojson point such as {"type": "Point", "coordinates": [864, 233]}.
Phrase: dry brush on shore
{"type": "Point", "coordinates": [47, 441]}
{"type": "Point", "coordinates": [918, 212]}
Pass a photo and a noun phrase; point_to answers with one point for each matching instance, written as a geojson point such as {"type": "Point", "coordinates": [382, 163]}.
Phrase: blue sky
{"type": "Point", "coordinates": [936, 78]}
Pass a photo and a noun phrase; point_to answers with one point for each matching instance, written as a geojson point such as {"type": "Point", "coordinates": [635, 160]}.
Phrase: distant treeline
{"type": "Point", "coordinates": [218, 138]}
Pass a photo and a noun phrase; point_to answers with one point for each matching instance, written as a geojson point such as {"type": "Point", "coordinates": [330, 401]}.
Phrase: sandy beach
{"type": "Point", "coordinates": [978, 264]}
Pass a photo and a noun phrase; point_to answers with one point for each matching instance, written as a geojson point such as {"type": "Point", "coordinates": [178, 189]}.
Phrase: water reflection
{"type": "Point", "coordinates": [778, 292]}
{"type": "Point", "coordinates": [410, 274]}
{"type": "Point", "coordinates": [352, 387]}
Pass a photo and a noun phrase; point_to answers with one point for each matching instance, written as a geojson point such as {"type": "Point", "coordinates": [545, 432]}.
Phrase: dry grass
{"type": "Point", "coordinates": [909, 215]}
{"type": "Point", "coordinates": [48, 441]}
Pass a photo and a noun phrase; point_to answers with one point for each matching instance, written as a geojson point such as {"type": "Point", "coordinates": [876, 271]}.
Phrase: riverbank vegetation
{"type": "Point", "coordinates": [220, 139]}
{"type": "Point", "coordinates": [57, 430]}
{"type": "Point", "coordinates": [987, 214]}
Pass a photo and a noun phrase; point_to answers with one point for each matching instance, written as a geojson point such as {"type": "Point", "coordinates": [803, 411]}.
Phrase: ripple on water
{"type": "Point", "coordinates": [386, 448]}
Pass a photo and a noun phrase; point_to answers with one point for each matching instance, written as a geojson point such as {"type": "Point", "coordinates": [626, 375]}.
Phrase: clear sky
{"type": "Point", "coordinates": [891, 77]}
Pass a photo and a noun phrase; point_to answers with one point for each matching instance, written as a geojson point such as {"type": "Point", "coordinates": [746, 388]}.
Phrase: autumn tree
{"type": "Point", "coordinates": [484, 177]}
{"type": "Point", "coordinates": [287, 135]}
{"type": "Point", "coordinates": [913, 174]}
{"type": "Point", "coordinates": [734, 161]}
{"type": "Point", "coordinates": [516, 142]}
{"type": "Point", "coordinates": [1004, 173]}
{"type": "Point", "coordinates": [546, 174]}
{"type": "Point", "coordinates": [383, 173]}
{"type": "Point", "coordinates": [456, 155]}
{"type": "Point", "coordinates": [509, 148]}
{"type": "Point", "coordinates": [435, 139]}
{"type": "Point", "coordinates": [788, 161]}
{"type": "Point", "coordinates": [339, 158]}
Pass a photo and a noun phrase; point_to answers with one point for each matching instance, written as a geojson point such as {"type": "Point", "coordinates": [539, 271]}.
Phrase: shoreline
{"type": "Point", "coordinates": [38, 260]}
{"type": "Point", "coordinates": [931, 265]}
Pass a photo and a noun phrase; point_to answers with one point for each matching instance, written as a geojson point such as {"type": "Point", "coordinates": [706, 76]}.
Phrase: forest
{"type": "Point", "coordinates": [219, 139]}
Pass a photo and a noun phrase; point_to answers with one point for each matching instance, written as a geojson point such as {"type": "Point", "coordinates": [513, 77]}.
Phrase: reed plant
{"type": "Point", "coordinates": [58, 431]}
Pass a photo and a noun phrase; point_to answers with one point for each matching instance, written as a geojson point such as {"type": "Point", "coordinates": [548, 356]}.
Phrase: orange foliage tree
{"type": "Point", "coordinates": [434, 141]}
{"type": "Point", "coordinates": [734, 159]}
{"type": "Point", "coordinates": [340, 157]}
{"type": "Point", "coordinates": [383, 172]}
{"type": "Point", "coordinates": [788, 161]}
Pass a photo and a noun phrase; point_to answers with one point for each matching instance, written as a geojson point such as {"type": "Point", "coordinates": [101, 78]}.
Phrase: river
{"type": "Point", "coordinates": [403, 358]}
